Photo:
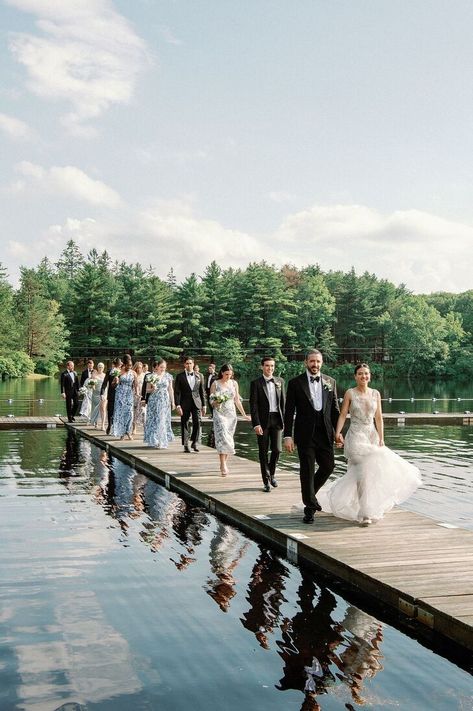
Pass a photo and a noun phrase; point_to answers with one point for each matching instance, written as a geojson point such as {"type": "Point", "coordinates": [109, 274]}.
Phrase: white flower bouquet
{"type": "Point", "coordinates": [218, 399]}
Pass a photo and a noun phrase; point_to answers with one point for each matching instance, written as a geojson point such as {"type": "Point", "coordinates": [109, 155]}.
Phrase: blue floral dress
{"type": "Point", "coordinates": [158, 432]}
{"type": "Point", "coordinates": [123, 412]}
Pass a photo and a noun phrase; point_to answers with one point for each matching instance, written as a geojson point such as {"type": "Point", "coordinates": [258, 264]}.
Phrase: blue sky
{"type": "Point", "coordinates": [174, 132]}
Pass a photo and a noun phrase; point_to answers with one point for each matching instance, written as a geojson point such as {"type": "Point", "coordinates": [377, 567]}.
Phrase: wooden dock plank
{"type": "Point", "coordinates": [404, 557]}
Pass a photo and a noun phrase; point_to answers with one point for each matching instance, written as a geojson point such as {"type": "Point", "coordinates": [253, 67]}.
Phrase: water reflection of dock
{"type": "Point", "coordinates": [419, 566]}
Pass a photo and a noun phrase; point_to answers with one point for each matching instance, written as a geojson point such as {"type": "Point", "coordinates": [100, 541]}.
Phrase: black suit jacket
{"type": "Point", "coordinates": [208, 380]}
{"type": "Point", "coordinates": [299, 401]}
{"type": "Point", "coordinates": [259, 401]}
{"type": "Point", "coordinates": [67, 386]}
{"type": "Point", "coordinates": [184, 396]}
{"type": "Point", "coordinates": [108, 380]}
{"type": "Point", "coordinates": [144, 391]}
{"type": "Point", "coordinates": [84, 376]}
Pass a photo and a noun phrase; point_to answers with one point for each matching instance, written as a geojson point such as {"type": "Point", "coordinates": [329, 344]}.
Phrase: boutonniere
{"type": "Point", "coordinates": [277, 385]}
{"type": "Point", "coordinates": [327, 385]}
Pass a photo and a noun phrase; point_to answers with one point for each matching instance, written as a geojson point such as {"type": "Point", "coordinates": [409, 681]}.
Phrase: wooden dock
{"type": "Point", "coordinates": [421, 567]}
{"type": "Point", "coordinates": [390, 418]}
{"type": "Point", "coordinates": [27, 422]}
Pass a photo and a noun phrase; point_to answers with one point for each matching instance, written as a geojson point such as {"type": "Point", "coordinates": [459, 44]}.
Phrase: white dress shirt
{"type": "Point", "coordinates": [315, 389]}
{"type": "Point", "coordinates": [271, 389]}
{"type": "Point", "coordinates": [191, 379]}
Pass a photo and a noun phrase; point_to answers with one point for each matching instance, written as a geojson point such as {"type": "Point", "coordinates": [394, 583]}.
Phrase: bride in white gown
{"type": "Point", "coordinates": [377, 478]}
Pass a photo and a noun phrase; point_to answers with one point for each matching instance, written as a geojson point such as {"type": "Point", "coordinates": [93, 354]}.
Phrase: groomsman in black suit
{"type": "Point", "coordinates": [313, 399]}
{"type": "Point", "coordinates": [87, 373]}
{"type": "Point", "coordinates": [110, 385]}
{"type": "Point", "coordinates": [145, 388]}
{"type": "Point", "coordinates": [70, 390]}
{"type": "Point", "coordinates": [210, 376]}
{"type": "Point", "coordinates": [189, 399]}
{"type": "Point", "coordinates": [267, 418]}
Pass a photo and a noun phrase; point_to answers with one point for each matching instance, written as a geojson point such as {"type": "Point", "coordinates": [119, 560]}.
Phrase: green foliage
{"type": "Point", "coordinates": [16, 365]}
{"type": "Point", "coordinates": [90, 305]}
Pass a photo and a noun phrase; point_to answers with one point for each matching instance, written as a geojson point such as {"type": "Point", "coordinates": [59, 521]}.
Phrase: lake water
{"type": "Point", "coordinates": [42, 396]}
{"type": "Point", "coordinates": [116, 594]}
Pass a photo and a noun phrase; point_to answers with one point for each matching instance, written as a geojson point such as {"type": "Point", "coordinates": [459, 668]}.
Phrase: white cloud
{"type": "Point", "coordinates": [67, 181]}
{"type": "Point", "coordinates": [14, 128]}
{"type": "Point", "coordinates": [88, 55]}
{"type": "Point", "coordinates": [425, 252]}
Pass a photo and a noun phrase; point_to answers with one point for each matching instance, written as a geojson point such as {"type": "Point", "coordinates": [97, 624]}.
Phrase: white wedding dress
{"type": "Point", "coordinates": [377, 478]}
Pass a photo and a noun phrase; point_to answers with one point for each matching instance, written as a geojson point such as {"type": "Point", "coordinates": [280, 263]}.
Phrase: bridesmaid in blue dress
{"type": "Point", "coordinates": [158, 432]}
{"type": "Point", "coordinates": [124, 400]}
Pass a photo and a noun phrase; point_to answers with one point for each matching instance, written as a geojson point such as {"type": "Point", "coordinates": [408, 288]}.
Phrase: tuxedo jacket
{"type": "Point", "coordinates": [208, 380]}
{"type": "Point", "coordinates": [259, 401]}
{"type": "Point", "coordinates": [184, 396]}
{"type": "Point", "coordinates": [67, 385]}
{"type": "Point", "coordinates": [299, 402]}
{"type": "Point", "coordinates": [108, 380]}
{"type": "Point", "coordinates": [144, 388]}
{"type": "Point", "coordinates": [84, 376]}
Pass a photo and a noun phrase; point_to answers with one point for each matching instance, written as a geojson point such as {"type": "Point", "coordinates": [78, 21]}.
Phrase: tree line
{"type": "Point", "coordinates": [91, 305]}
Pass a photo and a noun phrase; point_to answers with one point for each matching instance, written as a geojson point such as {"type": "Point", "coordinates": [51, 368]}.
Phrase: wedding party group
{"type": "Point", "coordinates": [306, 416]}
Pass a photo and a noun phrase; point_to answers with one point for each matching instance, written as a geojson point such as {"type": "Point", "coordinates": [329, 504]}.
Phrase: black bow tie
{"type": "Point", "coordinates": [315, 377]}
{"type": "Point", "coordinates": [270, 380]}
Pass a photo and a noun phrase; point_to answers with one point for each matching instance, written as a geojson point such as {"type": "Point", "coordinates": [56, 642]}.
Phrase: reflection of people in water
{"type": "Point", "coordinates": [307, 643]}
{"type": "Point", "coordinates": [265, 595]}
{"type": "Point", "coordinates": [226, 551]}
{"type": "Point", "coordinates": [161, 505]}
{"type": "Point", "coordinates": [188, 524]}
{"type": "Point", "coordinates": [361, 658]}
{"type": "Point", "coordinates": [70, 455]}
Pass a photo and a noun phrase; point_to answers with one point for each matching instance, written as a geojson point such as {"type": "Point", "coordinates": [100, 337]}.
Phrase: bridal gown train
{"type": "Point", "coordinates": [377, 478]}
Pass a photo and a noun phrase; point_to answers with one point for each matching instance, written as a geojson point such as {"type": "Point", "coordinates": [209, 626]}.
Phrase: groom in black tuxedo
{"type": "Point", "coordinates": [267, 416]}
{"type": "Point", "coordinates": [189, 399]}
{"type": "Point", "coordinates": [88, 372]}
{"type": "Point", "coordinates": [109, 385]}
{"type": "Point", "coordinates": [70, 390]}
{"type": "Point", "coordinates": [313, 399]}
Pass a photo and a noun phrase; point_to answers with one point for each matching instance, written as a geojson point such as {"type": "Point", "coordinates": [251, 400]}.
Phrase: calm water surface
{"type": "Point", "coordinates": [117, 594]}
{"type": "Point", "coordinates": [42, 396]}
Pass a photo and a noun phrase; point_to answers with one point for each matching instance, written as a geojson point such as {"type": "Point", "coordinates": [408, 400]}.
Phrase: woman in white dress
{"type": "Point", "coordinates": [97, 415]}
{"type": "Point", "coordinates": [224, 396]}
{"type": "Point", "coordinates": [87, 391]}
{"type": "Point", "coordinates": [377, 478]}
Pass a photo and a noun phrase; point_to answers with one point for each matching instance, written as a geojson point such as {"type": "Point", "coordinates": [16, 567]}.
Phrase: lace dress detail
{"type": "Point", "coordinates": [225, 420]}
{"type": "Point", "coordinates": [377, 478]}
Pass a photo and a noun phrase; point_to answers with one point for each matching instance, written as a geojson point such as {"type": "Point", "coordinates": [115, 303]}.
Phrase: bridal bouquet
{"type": "Point", "coordinates": [83, 390]}
{"type": "Point", "coordinates": [219, 398]}
{"type": "Point", "coordinates": [91, 383]}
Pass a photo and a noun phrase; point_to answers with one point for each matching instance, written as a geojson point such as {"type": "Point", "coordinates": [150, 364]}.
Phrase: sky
{"type": "Point", "coordinates": [177, 132]}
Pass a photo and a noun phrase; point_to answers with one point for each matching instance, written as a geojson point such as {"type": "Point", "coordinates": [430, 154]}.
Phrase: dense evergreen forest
{"type": "Point", "coordinates": [90, 304]}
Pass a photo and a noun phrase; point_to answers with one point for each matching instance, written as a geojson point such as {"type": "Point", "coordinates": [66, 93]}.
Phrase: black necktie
{"type": "Point", "coordinates": [315, 378]}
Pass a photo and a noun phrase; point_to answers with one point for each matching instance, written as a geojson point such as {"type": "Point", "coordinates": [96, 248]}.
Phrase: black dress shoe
{"type": "Point", "coordinates": [273, 481]}
{"type": "Point", "coordinates": [317, 506]}
{"type": "Point", "coordinates": [308, 518]}
{"type": "Point", "coordinates": [194, 447]}
{"type": "Point", "coordinates": [186, 449]}
{"type": "Point", "coordinates": [267, 488]}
